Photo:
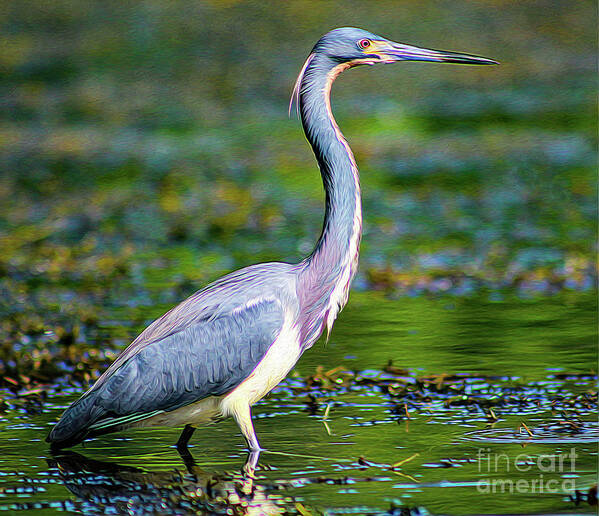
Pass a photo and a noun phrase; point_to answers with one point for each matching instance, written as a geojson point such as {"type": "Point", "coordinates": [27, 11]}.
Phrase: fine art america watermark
{"type": "Point", "coordinates": [538, 469]}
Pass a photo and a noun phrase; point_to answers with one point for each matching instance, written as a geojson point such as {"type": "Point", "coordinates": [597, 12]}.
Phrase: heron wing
{"type": "Point", "coordinates": [207, 358]}
{"type": "Point", "coordinates": [225, 295]}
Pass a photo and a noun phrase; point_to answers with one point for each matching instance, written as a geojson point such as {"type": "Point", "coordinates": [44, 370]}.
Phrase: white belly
{"type": "Point", "coordinates": [199, 413]}
{"type": "Point", "coordinates": [276, 364]}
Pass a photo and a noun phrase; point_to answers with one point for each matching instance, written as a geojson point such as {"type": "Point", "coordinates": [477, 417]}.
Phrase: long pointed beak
{"type": "Point", "coordinates": [400, 52]}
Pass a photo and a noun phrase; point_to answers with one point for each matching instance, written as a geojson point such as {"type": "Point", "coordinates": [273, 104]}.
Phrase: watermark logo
{"type": "Point", "coordinates": [538, 468]}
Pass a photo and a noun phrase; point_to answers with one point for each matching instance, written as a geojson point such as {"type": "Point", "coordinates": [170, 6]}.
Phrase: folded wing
{"type": "Point", "coordinates": [209, 357]}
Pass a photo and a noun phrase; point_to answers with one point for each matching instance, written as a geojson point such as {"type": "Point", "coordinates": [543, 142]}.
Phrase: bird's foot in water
{"type": "Point", "coordinates": [251, 463]}
{"type": "Point", "coordinates": [188, 460]}
{"type": "Point", "coordinates": [249, 470]}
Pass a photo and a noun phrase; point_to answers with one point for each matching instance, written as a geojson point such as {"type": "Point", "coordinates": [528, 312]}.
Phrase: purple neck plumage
{"type": "Point", "coordinates": [326, 274]}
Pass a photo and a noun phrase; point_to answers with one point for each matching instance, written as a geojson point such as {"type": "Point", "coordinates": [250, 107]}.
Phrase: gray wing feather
{"type": "Point", "coordinates": [221, 297]}
{"type": "Point", "coordinates": [208, 358]}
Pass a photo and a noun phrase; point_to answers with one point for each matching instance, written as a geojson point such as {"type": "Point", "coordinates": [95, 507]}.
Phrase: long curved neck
{"type": "Point", "coordinates": [335, 159]}
{"type": "Point", "coordinates": [330, 268]}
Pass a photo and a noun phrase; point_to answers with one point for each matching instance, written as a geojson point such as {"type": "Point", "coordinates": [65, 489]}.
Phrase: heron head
{"type": "Point", "coordinates": [356, 47]}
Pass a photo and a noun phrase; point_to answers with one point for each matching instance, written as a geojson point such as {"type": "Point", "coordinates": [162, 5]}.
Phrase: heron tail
{"type": "Point", "coordinates": [74, 425]}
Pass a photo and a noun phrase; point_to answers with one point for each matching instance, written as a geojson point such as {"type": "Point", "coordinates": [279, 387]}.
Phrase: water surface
{"type": "Point", "coordinates": [516, 387]}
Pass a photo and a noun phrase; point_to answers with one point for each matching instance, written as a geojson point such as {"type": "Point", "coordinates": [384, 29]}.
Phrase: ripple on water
{"type": "Point", "coordinates": [587, 433]}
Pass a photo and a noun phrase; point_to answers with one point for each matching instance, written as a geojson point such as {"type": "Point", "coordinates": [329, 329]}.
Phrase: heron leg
{"type": "Point", "coordinates": [188, 460]}
{"type": "Point", "coordinates": [185, 437]}
{"type": "Point", "coordinates": [250, 467]}
{"type": "Point", "coordinates": [243, 417]}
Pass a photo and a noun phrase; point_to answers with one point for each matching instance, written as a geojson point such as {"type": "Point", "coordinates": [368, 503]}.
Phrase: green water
{"type": "Point", "coordinates": [524, 342]}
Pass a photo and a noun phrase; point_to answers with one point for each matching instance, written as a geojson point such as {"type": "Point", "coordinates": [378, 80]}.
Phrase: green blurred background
{"type": "Point", "coordinates": [148, 144]}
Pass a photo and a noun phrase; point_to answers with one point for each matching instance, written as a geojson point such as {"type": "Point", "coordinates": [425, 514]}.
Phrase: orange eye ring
{"type": "Point", "coordinates": [364, 43]}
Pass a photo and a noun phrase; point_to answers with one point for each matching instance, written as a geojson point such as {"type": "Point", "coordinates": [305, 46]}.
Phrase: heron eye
{"type": "Point", "coordinates": [364, 43]}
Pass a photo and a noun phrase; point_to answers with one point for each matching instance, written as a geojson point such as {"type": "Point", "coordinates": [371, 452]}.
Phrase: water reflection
{"type": "Point", "coordinates": [106, 486]}
{"type": "Point", "coordinates": [112, 486]}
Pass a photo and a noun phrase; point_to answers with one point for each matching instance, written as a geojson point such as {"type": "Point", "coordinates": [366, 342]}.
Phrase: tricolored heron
{"type": "Point", "coordinates": [225, 347]}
